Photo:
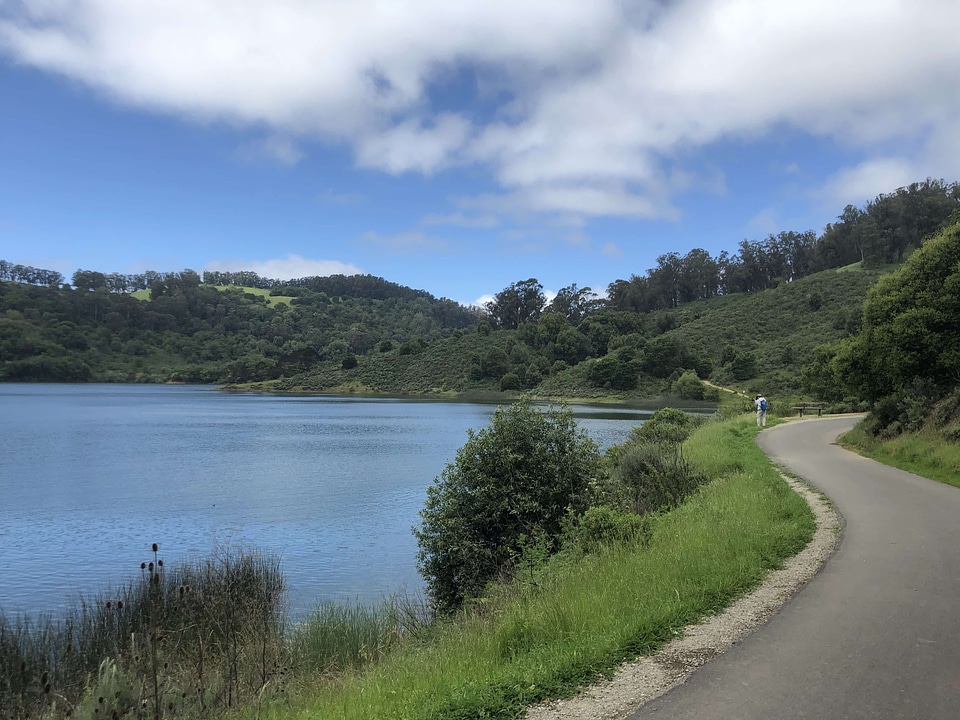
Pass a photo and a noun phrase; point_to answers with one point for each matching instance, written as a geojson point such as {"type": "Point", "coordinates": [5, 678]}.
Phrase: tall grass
{"type": "Point", "coordinates": [337, 637]}
{"type": "Point", "coordinates": [196, 637]}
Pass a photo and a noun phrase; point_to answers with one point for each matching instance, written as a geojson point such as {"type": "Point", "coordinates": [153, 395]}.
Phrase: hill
{"type": "Point", "coordinates": [751, 340]}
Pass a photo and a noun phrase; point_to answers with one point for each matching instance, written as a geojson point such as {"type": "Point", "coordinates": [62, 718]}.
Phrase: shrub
{"type": "Point", "coordinates": [655, 475]}
{"type": "Point", "coordinates": [667, 425]}
{"type": "Point", "coordinates": [603, 526]}
{"type": "Point", "coordinates": [688, 386]}
{"type": "Point", "coordinates": [516, 479]}
{"type": "Point", "coordinates": [510, 381]}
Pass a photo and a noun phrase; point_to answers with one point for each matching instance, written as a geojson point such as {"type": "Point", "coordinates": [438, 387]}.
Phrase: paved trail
{"type": "Point", "coordinates": [876, 634]}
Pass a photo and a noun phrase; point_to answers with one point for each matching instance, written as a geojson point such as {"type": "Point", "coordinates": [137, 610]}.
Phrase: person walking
{"type": "Point", "coordinates": [761, 403]}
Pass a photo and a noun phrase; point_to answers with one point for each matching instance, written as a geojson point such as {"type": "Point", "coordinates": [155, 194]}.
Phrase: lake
{"type": "Point", "coordinates": [92, 475]}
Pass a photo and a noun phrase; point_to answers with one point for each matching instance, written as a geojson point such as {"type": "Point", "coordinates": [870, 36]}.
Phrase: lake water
{"type": "Point", "coordinates": [91, 475]}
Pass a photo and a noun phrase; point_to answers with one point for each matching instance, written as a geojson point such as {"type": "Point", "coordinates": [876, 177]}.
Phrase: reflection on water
{"type": "Point", "coordinates": [91, 475]}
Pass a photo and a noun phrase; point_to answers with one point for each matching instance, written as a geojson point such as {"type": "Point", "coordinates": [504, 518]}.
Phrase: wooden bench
{"type": "Point", "coordinates": [810, 407]}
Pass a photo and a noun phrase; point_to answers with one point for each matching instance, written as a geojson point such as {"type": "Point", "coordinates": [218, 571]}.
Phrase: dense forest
{"type": "Point", "coordinates": [753, 317]}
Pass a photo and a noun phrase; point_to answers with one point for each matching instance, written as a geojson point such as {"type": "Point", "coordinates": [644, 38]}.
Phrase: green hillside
{"type": "Point", "coordinates": [749, 340]}
{"type": "Point", "coordinates": [761, 341]}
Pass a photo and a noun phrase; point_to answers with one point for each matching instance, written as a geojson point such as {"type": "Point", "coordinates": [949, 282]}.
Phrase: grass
{"type": "Point", "coordinates": [550, 637]}
{"type": "Point", "coordinates": [194, 639]}
{"type": "Point", "coordinates": [923, 453]}
{"type": "Point", "coordinates": [272, 300]}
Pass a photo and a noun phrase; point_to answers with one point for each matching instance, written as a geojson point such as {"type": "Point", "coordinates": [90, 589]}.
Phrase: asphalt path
{"type": "Point", "coordinates": [876, 633]}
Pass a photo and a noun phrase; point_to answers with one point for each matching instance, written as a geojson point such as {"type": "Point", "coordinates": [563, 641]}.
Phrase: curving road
{"type": "Point", "coordinates": [876, 634]}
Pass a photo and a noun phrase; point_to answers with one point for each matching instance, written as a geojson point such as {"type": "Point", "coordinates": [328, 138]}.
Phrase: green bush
{"type": "Point", "coordinates": [516, 479]}
{"type": "Point", "coordinates": [604, 526]}
{"type": "Point", "coordinates": [655, 476]}
{"type": "Point", "coordinates": [667, 425]}
{"type": "Point", "coordinates": [688, 386]}
{"type": "Point", "coordinates": [510, 381]}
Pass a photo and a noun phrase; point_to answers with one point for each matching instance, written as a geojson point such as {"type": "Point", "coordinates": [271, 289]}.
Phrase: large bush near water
{"type": "Point", "coordinates": [510, 484]}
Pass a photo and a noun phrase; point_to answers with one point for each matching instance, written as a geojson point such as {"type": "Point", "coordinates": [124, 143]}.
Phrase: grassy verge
{"type": "Point", "coordinates": [576, 620]}
{"type": "Point", "coordinates": [923, 453]}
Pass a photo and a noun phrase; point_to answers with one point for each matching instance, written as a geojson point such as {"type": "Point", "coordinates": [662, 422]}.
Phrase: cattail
{"type": "Point", "coordinates": [108, 604]}
{"type": "Point", "coordinates": [159, 563]}
{"type": "Point", "coordinates": [155, 547]}
{"type": "Point", "coordinates": [150, 567]}
{"type": "Point", "coordinates": [119, 604]}
{"type": "Point", "coordinates": [143, 566]}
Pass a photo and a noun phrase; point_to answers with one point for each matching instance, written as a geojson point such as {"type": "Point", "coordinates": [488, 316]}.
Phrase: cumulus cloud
{"type": "Point", "coordinates": [288, 267]}
{"type": "Point", "coordinates": [592, 108]}
{"type": "Point", "coordinates": [855, 185]}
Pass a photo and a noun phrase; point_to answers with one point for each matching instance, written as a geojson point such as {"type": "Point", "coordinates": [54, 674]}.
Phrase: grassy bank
{"type": "Point", "coordinates": [578, 619]}
{"type": "Point", "coordinates": [924, 453]}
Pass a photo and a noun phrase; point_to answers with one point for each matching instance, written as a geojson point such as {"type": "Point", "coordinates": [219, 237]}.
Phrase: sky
{"type": "Point", "coordinates": [457, 147]}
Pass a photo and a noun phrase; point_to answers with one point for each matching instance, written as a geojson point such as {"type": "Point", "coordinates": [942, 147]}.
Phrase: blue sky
{"type": "Point", "coordinates": [457, 147]}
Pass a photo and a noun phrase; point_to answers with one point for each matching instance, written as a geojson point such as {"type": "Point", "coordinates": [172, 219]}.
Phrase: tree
{"type": "Point", "coordinates": [688, 386]}
{"type": "Point", "coordinates": [520, 303]}
{"type": "Point", "coordinates": [573, 303]}
{"type": "Point", "coordinates": [511, 482]}
{"type": "Point", "coordinates": [911, 326]}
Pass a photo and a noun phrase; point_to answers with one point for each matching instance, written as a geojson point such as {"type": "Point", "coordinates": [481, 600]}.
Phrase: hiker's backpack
{"type": "Point", "coordinates": [763, 405]}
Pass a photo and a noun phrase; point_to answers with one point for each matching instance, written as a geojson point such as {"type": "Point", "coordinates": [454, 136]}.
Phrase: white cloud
{"type": "Point", "coordinates": [856, 185]}
{"type": "Point", "coordinates": [600, 107]}
{"type": "Point", "coordinates": [413, 145]}
{"type": "Point", "coordinates": [288, 267]}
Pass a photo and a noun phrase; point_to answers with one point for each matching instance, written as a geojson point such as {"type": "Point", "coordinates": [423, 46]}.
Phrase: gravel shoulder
{"type": "Point", "coordinates": [646, 678]}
